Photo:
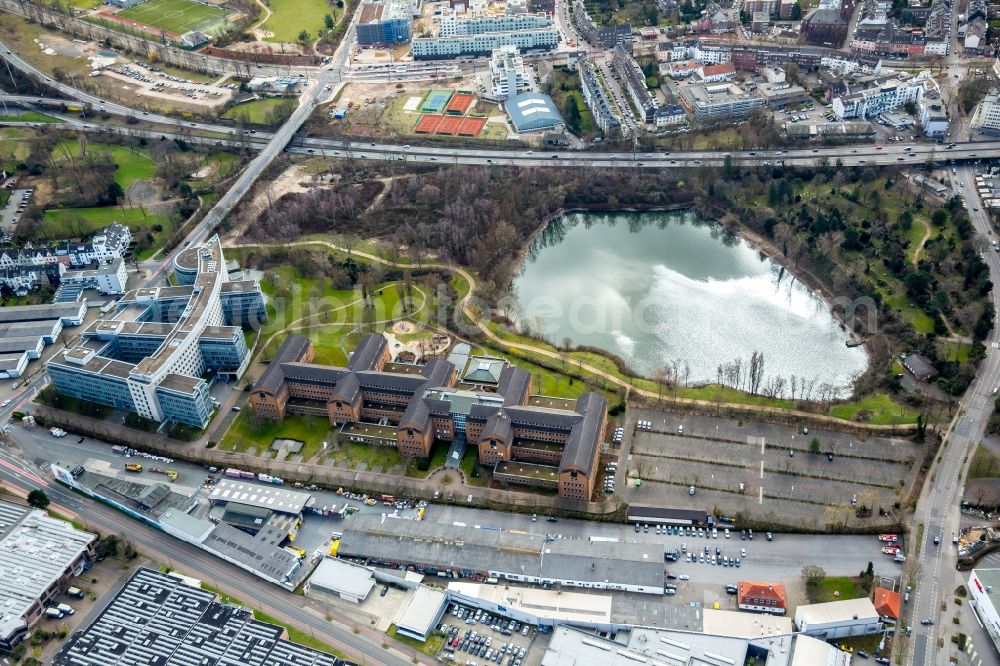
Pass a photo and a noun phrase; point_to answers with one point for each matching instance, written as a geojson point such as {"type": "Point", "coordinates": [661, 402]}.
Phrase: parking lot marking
{"type": "Point", "coordinates": [760, 498]}
{"type": "Point", "coordinates": [762, 469]}
{"type": "Point", "coordinates": [763, 444]}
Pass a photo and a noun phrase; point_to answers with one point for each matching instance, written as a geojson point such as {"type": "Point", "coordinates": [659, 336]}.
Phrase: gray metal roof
{"type": "Point", "coordinates": [294, 348]}
{"type": "Point", "coordinates": [36, 550]}
{"type": "Point", "coordinates": [260, 553]}
{"type": "Point", "coordinates": [340, 576]}
{"type": "Point", "coordinates": [513, 385]}
{"type": "Point", "coordinates": [157, 620]}
{"type": "Point", "coordinates": [18, 313]}
{"type": "Point", "coordinates": [532, 111]}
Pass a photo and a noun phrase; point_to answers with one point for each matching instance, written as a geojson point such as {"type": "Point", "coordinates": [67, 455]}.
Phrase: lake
{"type": "Point", "coordinates": [668, 288]}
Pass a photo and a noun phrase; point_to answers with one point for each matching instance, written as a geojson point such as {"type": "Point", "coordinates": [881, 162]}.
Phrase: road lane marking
{"type": "Point", "coordinates": [762, 469]}
{"type": "Point", "coordinates": [760, 498]}
{"type": "Point", "coordinates": [19, 471]}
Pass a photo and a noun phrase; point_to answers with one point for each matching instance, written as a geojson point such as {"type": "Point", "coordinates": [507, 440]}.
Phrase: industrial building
{"type": "Point", "coordinates": [543, 608]}
{"type": "Point", "coordinates": [152, 354]}
{"type": "Point", "coordinates": [161, 619]}
{"type": "Point", "coordinates": [421, 613]}
{"type": "Point", "coordinates": [478, 554]}
{"type": "Point", "coordinates": [38, 557]}
{"type": "Point", "coordinates": [341, 580]}
{"type": "Point", "coordinates": [838, 619]}
{"type": "Point", "coordinates": [412, 406]}
{"type": "Point", "coordinates": [26, 329]}
{"type": "Point", "coordinates": [385, 23]}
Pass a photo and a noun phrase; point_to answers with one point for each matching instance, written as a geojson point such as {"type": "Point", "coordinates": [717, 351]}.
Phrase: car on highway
{"type": "Point", "coordinates": [5, 402]}
{"type": "Point", "coordinates": [927, 622]}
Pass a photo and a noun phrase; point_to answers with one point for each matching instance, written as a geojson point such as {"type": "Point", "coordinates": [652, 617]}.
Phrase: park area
{"type": "Point", "coordinates": [176, 16]}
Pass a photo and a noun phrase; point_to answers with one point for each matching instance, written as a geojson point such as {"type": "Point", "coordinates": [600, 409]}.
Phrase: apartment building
{"type": "Point", "coordinates": [489, 406]}
{"type": "Point", "coordinates": [107, 278]}
{"type": "Point", "coordinates": [987, 115]}
{"type": "Point", "coordinates": [719, 101]}
{"type": "Point", "coordinates": [601, 36]}
{"type": "Point", "coordinates": [484, 44]}
{"type": "Point", "coordinates": [509, 75]}
{"type": "Point", "coordinates": [761, 597]}
{"type": "Point", "coordinates": [385, 23]}
{"type": "Point", "coordinates": [885, 94]}
{"type": "Point", "coordinates": [596, 98]}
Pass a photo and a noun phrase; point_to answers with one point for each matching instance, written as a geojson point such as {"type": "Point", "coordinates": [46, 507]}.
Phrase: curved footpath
{"type": "Point", "coordinates": [630, 388]}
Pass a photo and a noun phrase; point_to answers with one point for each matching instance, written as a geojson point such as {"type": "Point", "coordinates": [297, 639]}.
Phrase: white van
{"type": "Point", "coordinates": [65, 609]}
{"type": "Point", "coordinates": [53, 613]}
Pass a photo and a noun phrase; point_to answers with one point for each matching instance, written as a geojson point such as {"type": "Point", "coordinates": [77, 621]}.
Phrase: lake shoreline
{"type": "Point", "coordinates": [730, 224]}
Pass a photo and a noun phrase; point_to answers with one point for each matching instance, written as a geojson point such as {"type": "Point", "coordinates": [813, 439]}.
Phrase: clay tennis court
{"type": "Point", "coordinates": [459, 104]}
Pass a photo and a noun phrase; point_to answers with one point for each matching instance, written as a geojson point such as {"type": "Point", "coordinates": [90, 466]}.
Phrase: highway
{"type": "Point", "coordinates": [938, 508]}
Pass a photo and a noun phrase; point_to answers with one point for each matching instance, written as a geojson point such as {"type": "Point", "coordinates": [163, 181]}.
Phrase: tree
{"type": "Point", "coordinates": [814, 445]}
{"type": "Point", "coordinates": [796, 12]}
{"type": "Point", "coordinates": [812, 574]}
{"type": "Point", "coordinates": [328, 22]}
{"type": "Point", "coordinates": [304, 36]}
{"type": "Point", "coordinates": [573, 117]}
{"type": "Point", "coordinates": [38, 499]}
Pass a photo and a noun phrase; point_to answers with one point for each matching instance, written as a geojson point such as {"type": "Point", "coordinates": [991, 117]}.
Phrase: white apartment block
{"type": "Point", "coordinates": [987, 116]}
{"type": "Point", "coordinates": [449, 47]}
{"type": "Point", "coordinates": [886, 95]}
{"type": "Point", "coordinates": [509, 75]}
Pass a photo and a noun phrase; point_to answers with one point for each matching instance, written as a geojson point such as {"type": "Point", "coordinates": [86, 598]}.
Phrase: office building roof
{"type": "Point", "coordinates": [159, 620]}
{"type": "Point", "coordinates": [990, 580]}
{"type": "Point", "coordinates": [35, 551]}
{"type": "Point", "coordinates": [811, 651]}
{"type": "Point", "coordinates": [342, 577]}
{"type": "Point", "coordinates": [274, 498]}
{"type": "Point", "coordinates": [49, 311]}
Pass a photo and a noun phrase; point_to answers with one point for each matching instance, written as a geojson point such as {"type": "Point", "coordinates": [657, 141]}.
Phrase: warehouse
{"type": "Point", "coordinates": [275, 498]}
{"type": "Point", "coordinates": [838, 619]}
{"type": "Point", "coordinates": [544, 608]}
{"type": "Point", "coordinates": [340, 579]}
{"type": "Point", "coordinates": [421, 613]}
{"type": "Point", "coordinates": [159, 619]}
{"type": "Point", "coordinates": [458, 552]}
{"type": "Point", "coordinates": [38, 556]}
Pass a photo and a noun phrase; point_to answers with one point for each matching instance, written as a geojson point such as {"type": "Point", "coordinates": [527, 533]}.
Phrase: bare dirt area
{"type": "Point", "coordinates": [767, 473]}
{"type": "Point", "coordinates": [297, 178]}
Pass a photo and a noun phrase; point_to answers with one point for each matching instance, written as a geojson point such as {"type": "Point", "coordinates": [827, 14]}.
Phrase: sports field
{"type": "Point", "coordinates": [177, 16]}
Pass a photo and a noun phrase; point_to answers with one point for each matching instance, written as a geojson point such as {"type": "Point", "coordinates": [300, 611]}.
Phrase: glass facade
{"type": "Point", "coordinates": [103, 389]}
{"type": "Point", "coordinates": [191, 409]}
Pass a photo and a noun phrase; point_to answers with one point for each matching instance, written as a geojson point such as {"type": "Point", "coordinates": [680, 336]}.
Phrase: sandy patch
{"type": "Point", "coordinates": [204, 172]}
{"type": "Point", "coordinates": [402, 328]}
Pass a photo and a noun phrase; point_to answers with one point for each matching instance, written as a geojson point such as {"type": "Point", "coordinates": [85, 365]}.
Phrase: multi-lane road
{"type": "Point", "coordinates": [938, 508]}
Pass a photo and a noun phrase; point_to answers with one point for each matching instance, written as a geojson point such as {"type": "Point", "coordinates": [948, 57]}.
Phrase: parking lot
{"type": "Point", "coordinates": [10, 215]}
{"type": "Point", "coordinates": [476, 637]}
{"type": "Point", "coordinates": [770, 473]}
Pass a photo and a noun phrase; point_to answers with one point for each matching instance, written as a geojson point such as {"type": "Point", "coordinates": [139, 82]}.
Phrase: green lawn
{"type": "Point", "coordinates": [290, 17]}
{"type": "Point", "coordinates": [371, 455]}
{"type": "Point", "coordinates": [178, 16]}
{"type": "Point", "coordinates": [430, 647]}
{"type": "Point", "coordinates": [248, 431]}
{"type": "Point", "coordinates": [845, 585]}
{"type": "Point", "coordinates": [131, 165]}
{"type": "Point", "coordinates": [256, 112]}
{"type": "Point", "coordinates": [880, 410]}
{"type": "Point", "coordinates": [73, 222]}
{"type": "Point", "coordinates": [984, 464]}
{"type": "Point", "coordinates": [29, 117]}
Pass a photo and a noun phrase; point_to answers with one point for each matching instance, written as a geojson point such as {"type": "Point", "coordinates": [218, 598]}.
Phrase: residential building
{"type": "Point", "coordinates": [596, 98]}
{"type": "Point", "coordinates": [882, 95]}
{"type": "Point", "coordinates": [39, 555]}
{"type": "Point", "coordinates": [152, 354]}
{"type": "Point", "coordinates": [761, 597]}
{"type": "Point", "coordinates": [887, 604]}
{"type": "Point", "coordinates": [509, 75]}
{"type": "Point", "coordinates": [974, 41]}
{"type": "Point", "coordinates": [719, 101]}
{"type": "Point", "coordinates": [987, 115]}
{"type": "Point", "coordinates": [114, 242]}
{"type": "Point", "coordinates": [634, 81]}
{"type": "Point", "coordinates": [845, 64]}
{"type": "Point", "coordinates": [933, 118]}
{"type": "Point", "coordinates": [107, 278]}
{"type": "Point", "coordinates": [385, 22]}
{"type": "Point", "coordinates": [920, 367]}
{"type": "Point", "coordinates": [838, 619]}
{"type": "Point", "coordinates": [430, 48]}
{"type": "Point", "coordinates": [713, 73]}
{"type": "Point", "coordinates": [555, 448]}
{"type": "Point", "coordinates": [167, 620]}
{"type": "Point", "coordinates": [23, 279]}
{"type": "Point", "coordinates": [603, 36]}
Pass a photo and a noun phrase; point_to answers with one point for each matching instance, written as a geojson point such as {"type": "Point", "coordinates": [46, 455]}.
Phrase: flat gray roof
{"type": "Point", "coordinates": [35, 551]}
{"type": "Point", "coordinates": [421, 611]}
{"type": "Point", "coordinates": [29, 328]}
{"type": "Point", "coordinates": [260, 495]}
{"type": "Point", "coordinates": [44, 312]}
{"type": "Point", "coordinates": [157, 620]}
{"type": "Point", "coordinates": [339, 576]}
{"type": "Point", "coordinates": [260, 553]}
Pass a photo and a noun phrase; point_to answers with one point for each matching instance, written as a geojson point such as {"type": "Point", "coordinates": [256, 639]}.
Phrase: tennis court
{"type": "Point", "coordinates": [459, 104]}
{"type": "Point", "coordinates": [449, 125]}
{"type": "Point", "coordinates": [177, 16]}
{"type": "Point", "coordinates": [435, 101]}
{"type": "Point", "coordinates": [428, 124]}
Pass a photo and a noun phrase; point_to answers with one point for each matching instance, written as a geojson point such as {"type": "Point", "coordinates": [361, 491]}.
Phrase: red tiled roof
{"type": "Point", "coordinates": [774, 591]}
{"type": "Point", "coordinates": [724, 68]}
{"type": "Point", "coordinates": [887, 603]}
